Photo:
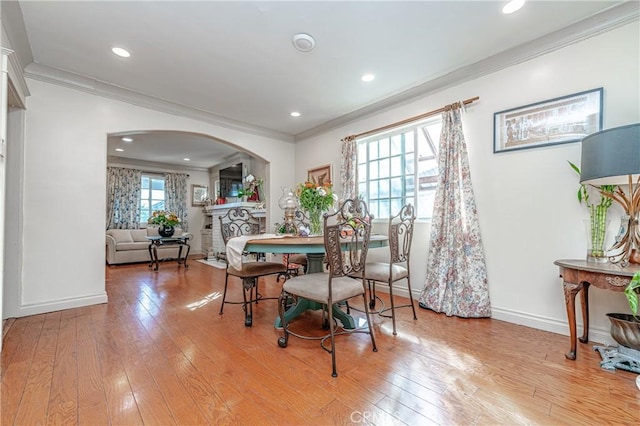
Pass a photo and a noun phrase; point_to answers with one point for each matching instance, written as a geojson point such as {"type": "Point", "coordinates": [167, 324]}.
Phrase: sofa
{"type": "Point", "coordinates": [132, 245]}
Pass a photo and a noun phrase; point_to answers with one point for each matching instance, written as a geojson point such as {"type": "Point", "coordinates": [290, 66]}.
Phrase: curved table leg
{"type": "Point", "coordinates": [186, 255]}
{"type": "Point", "coordinates": [584, 298]}
{"type": "Point", "coordinates": [570, 291]}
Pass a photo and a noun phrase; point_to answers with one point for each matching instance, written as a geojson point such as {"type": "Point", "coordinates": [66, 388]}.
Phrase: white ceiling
{"type": "Point", "coordinates": [235, 62]}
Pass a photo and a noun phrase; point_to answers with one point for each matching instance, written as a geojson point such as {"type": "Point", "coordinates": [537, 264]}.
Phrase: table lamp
{"type": "Point", "coordinates": [612, 157]}
{"type": "Point", "coordinates": [289, 203]}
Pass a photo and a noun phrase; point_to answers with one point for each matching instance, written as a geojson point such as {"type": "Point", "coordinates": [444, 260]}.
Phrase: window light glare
{"type": "Point", "coordinates": [367, 78]}
{"type": "Point", "coordinates": [512, 6]}
{"type": "Point", "coordinates": [187, 159]}
{"type": "Point", "coordinates": [123, 53]}
{"type": "Point", "coordinates": [295, 114]}
{"type": "Point", "coordinates": [126, 139]}
{"type": "Point", "coordinates": [119, 149]}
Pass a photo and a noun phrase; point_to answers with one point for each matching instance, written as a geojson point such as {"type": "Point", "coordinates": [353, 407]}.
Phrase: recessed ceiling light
{"type": "Point", "coordinates": [303, 42]}
{"type": "Point", "coordinates": [295, 114]}
{"type": "Point", "coordinates": [126, 139]}
{"type": "Point", "coordinates": [367, 77]}
{"type": "Point", "coordinates": [512, 6]}
{"type": "Point", "coordinates": [124, 53]}
{"type": "Point", "coordinates": [119, 149]}
{"type": "Point", "coordinates": [187, 159]}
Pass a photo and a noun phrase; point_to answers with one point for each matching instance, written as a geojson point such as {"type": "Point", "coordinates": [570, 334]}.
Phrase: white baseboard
{"type": "Point", "coordinates": [61, 304]}
{"type": "Point", "coordinates": [596, 334]}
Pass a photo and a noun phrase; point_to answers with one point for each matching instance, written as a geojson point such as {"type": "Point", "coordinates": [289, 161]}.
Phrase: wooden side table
{"type": "Point", "coordinates": [577, 276]}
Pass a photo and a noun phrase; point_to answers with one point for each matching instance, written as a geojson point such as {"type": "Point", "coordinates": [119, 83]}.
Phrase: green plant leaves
{"type": "Point", "coordinates": [632, 291]}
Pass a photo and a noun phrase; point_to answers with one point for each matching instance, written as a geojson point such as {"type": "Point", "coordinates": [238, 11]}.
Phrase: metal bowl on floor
{"type": "Point", "coordinates": [625, 329]}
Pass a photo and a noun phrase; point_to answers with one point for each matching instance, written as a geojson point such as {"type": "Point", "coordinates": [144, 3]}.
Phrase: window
{"type": "Point", "coordinates": [400, 167]}
{"type": "Point", "coordinates": [151, 196]}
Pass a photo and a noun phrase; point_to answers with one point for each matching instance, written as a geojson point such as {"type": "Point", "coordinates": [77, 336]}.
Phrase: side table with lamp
{"type": "Point", "coordinates": [609, 157]}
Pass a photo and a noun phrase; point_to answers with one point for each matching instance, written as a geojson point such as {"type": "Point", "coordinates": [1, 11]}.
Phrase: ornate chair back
{"type": "Point", "coordinates": [401, 234]}
{"type": "Point", "coordinates": [238, 221]}
{"type": "Point", "coordinates": [346, 239]}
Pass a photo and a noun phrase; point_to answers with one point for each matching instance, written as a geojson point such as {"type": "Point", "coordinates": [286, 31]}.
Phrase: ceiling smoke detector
{"type": "Point", "coordinates": [303, 42]}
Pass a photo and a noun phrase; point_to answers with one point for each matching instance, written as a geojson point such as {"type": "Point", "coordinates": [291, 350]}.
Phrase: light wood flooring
{"type": "Point", "coordinates": [159, 354]}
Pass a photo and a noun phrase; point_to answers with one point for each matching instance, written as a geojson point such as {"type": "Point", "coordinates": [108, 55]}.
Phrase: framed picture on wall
{"type": "Point", "coordinates": [320, 174]}
{"type": "Point", "coordinates": [199, 195]}
{"type": "Point", "coordinates": [555, 121]}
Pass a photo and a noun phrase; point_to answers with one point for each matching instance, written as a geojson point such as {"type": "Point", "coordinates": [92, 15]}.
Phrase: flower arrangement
{"type": "Point", "coordinates": [251, 187]}
{"type": "Point", "coordinates": [315, 198]}
{"type": "Point", "coordinates": [163, 217]}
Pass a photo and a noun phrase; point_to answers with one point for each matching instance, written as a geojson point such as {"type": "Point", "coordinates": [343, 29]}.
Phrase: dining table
{"type": "Point", "coordinates": [313, 247]}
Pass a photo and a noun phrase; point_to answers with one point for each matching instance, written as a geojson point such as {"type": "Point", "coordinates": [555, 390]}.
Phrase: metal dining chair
{"type": "Point", "coordinates": [346, 242]}
{"type": "Point", "coordinates": [295, 261]}
{"type": "Point", "coordinates": [240, 222]}
{"type": "Point", "coordinates": [400, 238]}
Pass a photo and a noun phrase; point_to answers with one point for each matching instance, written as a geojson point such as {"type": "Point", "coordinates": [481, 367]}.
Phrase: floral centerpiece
{"type": "Point", "coordinates": [166, 220]}
{"type": "Point", "coordinates": [315, 198]}
{"type": "Point", "coordinates": [251, 188]}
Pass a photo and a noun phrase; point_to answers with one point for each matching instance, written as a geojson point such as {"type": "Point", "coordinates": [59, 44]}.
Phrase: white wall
{"type": "Point", "coordinates": [529, 214]}
{"type": "Point", "coordinates": [65, 183]}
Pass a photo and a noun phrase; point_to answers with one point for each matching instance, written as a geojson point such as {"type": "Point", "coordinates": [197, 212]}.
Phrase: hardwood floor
{"type": "Point", "coordinates": [159, 354]}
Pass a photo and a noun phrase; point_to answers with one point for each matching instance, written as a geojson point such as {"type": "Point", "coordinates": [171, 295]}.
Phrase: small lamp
{"type": "Point", "coordinates": [289, 203]}
{"type": "Point", "coordinates": [612, 157]}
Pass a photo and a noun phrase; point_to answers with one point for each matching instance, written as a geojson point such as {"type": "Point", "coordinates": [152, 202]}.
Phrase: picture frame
{"type": "Point", "coordinates": [199, 194]}
{"type": "Point", "coordinates": [552, 122]}
{"type": "Point", "coordinates": [320, 174]}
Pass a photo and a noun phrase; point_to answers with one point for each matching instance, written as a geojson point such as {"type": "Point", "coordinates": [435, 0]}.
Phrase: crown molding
{"type": "Point", "coordinates": [96, 87]}
{"type": "Point", "coordinates": [607, 20]}
{"type": "Point", "coordinates": [17, 83]}
{"type": "Point", "coordinates": [113, 160]}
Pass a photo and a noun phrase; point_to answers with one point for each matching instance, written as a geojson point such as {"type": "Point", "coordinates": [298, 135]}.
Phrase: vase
{"type": "Point", "coordinates": [596, 228]}
{"type": "Point", "coordinates": [166, 230]}
{"type": "Point", "coordinates": [625, 329]}
{"type": "Point", "coordinates": [315, 221]}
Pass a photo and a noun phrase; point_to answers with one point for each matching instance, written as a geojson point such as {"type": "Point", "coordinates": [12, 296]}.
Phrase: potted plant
{"type": "Point", "coordinates": [597, 224]}
{"type": "Point", "coordinates": [251, 190]}
{"type": "Point", "coordinates": [166, 220]}
{"type": "Point", "coordinates": [625, 328]}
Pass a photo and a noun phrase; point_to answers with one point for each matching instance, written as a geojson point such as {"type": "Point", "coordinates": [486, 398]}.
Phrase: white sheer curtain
{"type": "Point", "coordinates": [175, 199]}
{"type": "Point", "coordinates": [456, 282]}
{"type": "Point", "coordinates": [123, 198]}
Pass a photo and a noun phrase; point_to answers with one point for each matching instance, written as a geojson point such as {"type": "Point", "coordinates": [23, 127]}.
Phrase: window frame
{"type": "Point", "coordinates": [151, 177]}
{"type": "Point", "coordinates": [414, 128]}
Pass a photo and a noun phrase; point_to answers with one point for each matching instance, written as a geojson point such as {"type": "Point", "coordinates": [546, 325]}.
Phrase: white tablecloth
{"type": "Point", "coordinates": [235, 247]}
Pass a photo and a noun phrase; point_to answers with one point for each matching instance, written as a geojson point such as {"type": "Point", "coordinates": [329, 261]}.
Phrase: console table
{"type": "Point", "coordinates": [156, 241]}
{"type": "Point", "coordinates": [577, 276]}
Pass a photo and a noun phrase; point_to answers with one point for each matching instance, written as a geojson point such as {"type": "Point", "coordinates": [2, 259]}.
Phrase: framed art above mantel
{"type": "Point", "coordinates": [555, 121]}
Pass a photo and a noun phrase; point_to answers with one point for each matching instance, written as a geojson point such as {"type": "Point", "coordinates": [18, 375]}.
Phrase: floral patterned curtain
{"type": "Point", "coordinates": [175, 196]}
{"type": "Point", "coordinates": [456, 282]}
{"type": "Point", "coordinates": [348, 168]}
{"type": "Point", "coordinates": [123, 198]}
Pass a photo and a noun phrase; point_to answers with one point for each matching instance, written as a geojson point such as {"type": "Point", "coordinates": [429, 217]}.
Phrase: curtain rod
{"type": "Point", "coordinates": [415, 118]}
{"type": "Point", "coordinates": [147, 172]}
